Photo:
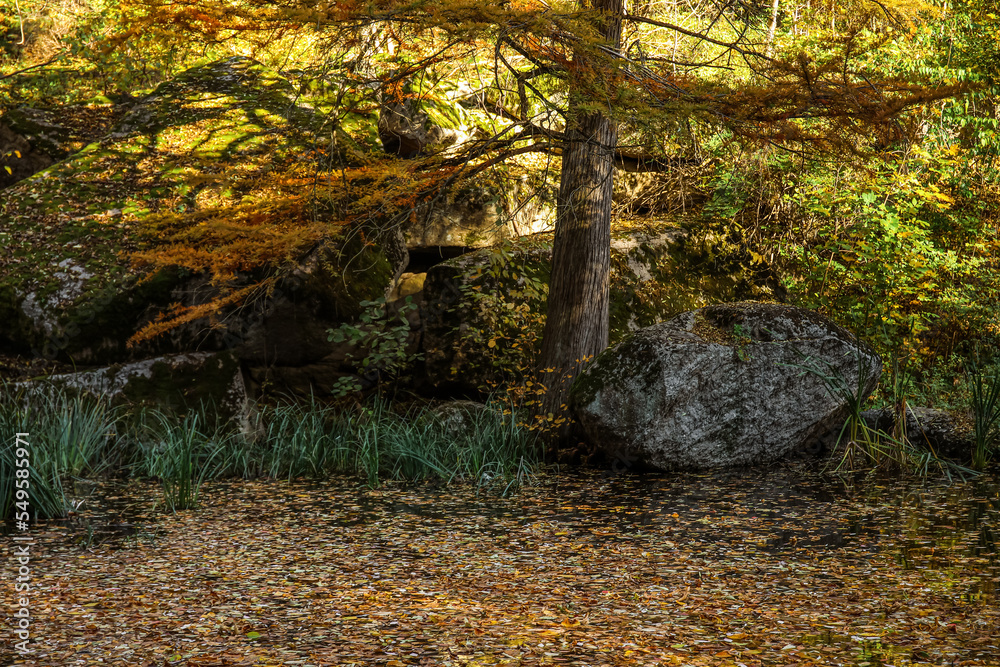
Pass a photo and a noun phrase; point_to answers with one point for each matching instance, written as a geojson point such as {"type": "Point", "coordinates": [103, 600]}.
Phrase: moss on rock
{"type": "Point", "coordinates": [175, 383]}
{"type": "Point", "coordinates": [655, 275]}
{"type": "Point", "coordinates": [722, 386]}
{"type": "Point", "coordinates": [66, 284]}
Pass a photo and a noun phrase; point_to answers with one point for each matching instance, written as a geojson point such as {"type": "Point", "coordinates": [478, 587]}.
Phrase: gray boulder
{"type": "Point", "coordinates": [721, 386]}
{"type": "Point", "coordinates": [176, 382]}
{"type": "Point", "coordinates": [947, 434]}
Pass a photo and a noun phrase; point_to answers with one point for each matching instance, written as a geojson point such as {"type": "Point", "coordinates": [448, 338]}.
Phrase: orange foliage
{"type": "Point", "coordinates": [287, 218]}
{"type": "Point", "coordinates": [181, 315]}
{"type": "Point", "coordinates": [792, 101]}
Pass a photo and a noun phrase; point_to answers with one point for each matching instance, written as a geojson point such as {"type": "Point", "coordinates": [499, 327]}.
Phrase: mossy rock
{"type": "Point", "coordinates": [728, 385]}
{"type": "Point", "coordinates": [655, 275]}
{"type": "Point", "coordinates": [172, 383]}
{"type": "Point", "coordinates": [66, 285]}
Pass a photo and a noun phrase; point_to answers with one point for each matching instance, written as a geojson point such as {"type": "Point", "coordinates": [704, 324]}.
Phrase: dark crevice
{"type": "Point", "coordinates": [422, 259]}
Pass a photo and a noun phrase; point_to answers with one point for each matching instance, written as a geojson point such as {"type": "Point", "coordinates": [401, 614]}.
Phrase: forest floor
{"type": "Point", "coordinates": [771, 567]}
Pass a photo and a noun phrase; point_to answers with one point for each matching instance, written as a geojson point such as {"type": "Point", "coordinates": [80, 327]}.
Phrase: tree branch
{"type": "Point", "coordinates": [697, 35]}
{"type": "Point", "coordinates": [28, 69]}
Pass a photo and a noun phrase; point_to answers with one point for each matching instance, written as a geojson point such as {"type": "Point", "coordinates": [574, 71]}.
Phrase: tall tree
{"type": "Point", "coordinates": [576, 324]}
{"type": "Point", "coordinates": [565, 79]}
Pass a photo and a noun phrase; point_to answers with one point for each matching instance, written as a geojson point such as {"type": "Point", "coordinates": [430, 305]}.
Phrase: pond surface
{"type": "Point", "coordinates": [767, 567]}
{"type": "Point", "coordinates": [924, 524]}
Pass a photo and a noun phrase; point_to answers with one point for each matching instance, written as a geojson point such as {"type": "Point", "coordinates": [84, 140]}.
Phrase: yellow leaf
{"type": "Point", "coordinates": [17, 153]}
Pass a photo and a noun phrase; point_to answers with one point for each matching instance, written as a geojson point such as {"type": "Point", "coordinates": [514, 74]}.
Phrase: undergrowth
{"type": "Point", "coordinates": [72, 437]}
{"type": "Point", "coordinates": [862, 446]}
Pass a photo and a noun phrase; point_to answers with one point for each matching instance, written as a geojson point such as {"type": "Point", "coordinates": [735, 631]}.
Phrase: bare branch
{"type": "Point", "coordinates": [732, 46]}
{"type": "Point", "coordinates": [28, 69]}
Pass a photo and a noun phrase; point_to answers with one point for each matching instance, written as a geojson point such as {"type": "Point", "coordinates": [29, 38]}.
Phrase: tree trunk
{"type": "Point", "coordinates": [576, 324]}
{"type": "Point", "coordinates": [773, 28]}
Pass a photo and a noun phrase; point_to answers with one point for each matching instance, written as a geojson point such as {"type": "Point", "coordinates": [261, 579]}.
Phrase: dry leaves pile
{"type": "Point", "coordinates": [765, 568]}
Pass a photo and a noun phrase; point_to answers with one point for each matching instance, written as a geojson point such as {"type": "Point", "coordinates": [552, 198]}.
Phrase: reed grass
{"type": "Point", "coordinates": [865, 447]}
{"type": "Point", "coordinates": [984, 385]}
{"type": "Point", "coordinates": [70, 436]}
{"type": "Point", "coordinates": [179, 453]}
{"type": "Point", "coordinates": [76, 437]}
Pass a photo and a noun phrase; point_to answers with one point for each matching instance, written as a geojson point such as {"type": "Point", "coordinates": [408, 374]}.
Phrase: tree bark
{"type": "Point", "coordinates": [576, 324]}
{"type": "Point", "coordinates": [772, 28]}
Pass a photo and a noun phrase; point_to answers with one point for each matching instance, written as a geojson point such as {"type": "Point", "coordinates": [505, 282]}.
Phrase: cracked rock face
{"type": "Point", "coordinates": [722, 386]}
{"type": "Point", "coordinates": [178, 382]}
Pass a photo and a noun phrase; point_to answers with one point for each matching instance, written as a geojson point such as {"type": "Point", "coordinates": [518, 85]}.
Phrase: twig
{"type": "Point", "coordinates": [28, 69]}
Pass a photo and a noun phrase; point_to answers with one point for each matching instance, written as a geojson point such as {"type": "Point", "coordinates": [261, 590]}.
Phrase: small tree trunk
{"type": "Point", "coordinates": [772, 28]}
{"type": "Point", "coordinates": [576, 324]}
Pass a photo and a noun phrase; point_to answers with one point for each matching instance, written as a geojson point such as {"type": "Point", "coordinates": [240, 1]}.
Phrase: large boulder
{"type": "Point", "coordinates": [177, 383]}
{"type": "Point", "coordinates": [722, 386]}
{"type": "Point", "coordinates": [67, 290]}
{"type": "Point", "coordinates": [483, 312]}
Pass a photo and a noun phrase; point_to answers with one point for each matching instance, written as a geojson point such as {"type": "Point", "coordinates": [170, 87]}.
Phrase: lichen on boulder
{"type": "Point", "coordinates": [722, 386]}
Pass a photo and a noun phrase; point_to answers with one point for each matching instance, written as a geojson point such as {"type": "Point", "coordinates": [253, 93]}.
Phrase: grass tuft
{"type": "Point", "coordinates": [75, 437]}
{"type": "Point", "coordinates": [69, 436]}
{"type": "Point", "coordinates": [985, 397]}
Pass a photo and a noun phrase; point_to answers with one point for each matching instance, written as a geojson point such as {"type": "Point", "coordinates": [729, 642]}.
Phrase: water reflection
{"type": "Point", "coordinates": [948, 527]}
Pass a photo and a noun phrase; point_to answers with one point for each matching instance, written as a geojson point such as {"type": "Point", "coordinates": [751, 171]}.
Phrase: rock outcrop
{"type": "Point", "coordinates": [502, 292]}
{"type": "Point", "coordinates": [177, 383]}
{"type": "Point", "coordinates": [721, 386]}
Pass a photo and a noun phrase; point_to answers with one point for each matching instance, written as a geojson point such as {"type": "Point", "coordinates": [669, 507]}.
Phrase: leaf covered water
{"type": "Point", "coordinates": [761, 568]}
